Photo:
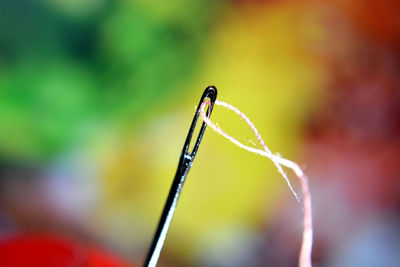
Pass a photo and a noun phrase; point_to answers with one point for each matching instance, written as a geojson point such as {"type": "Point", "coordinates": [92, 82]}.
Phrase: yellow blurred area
{"type": "Point", "coordinates": [258, 61]}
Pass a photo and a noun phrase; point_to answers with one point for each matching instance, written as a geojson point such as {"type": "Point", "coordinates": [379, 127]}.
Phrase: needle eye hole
{"type": "Point", "coordinates": [209, 95]}
{"type": "Point", "coordinates": [199, 128]}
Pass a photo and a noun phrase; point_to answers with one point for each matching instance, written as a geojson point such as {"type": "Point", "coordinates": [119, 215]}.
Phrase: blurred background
{"type": "Point", "coordinates": [96, 98]}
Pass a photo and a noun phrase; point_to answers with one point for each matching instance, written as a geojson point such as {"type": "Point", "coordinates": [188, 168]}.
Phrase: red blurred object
{"type": "Point", "coordinates": [49, 251]}
{"type": "Point", "coordinates": [378, 19]}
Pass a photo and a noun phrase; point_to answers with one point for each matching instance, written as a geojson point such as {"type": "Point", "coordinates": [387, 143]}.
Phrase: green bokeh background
{"type": "Point", "coordinates": [65, 66]}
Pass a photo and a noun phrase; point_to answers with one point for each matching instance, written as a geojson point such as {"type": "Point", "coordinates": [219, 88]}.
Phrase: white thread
{"type": "Point", "coordinates": [307, 240]}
